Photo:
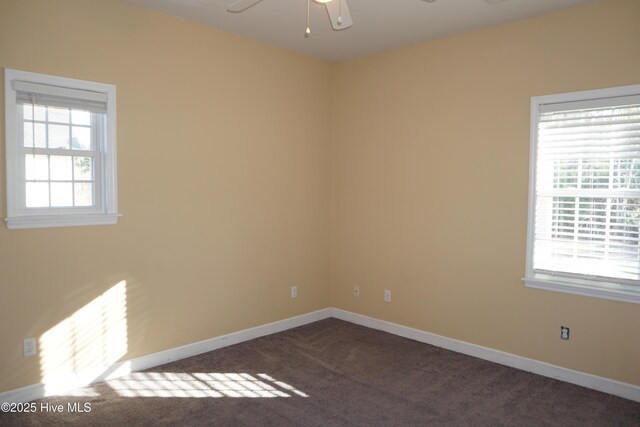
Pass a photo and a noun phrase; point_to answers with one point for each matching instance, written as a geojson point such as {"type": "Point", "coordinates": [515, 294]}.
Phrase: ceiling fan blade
{"type": "Point", "coordinates": [339, 14]}
{"type": "Point", "coordinates": [242, 5]}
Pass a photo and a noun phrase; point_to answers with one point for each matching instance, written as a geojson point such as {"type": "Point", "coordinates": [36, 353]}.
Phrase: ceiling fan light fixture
{"type": "Point", "coordinates": [338, 11]}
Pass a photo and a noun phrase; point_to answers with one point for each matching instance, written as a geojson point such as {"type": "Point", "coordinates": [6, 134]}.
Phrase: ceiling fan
{"type": "Point", "coordinates": [337, 9]}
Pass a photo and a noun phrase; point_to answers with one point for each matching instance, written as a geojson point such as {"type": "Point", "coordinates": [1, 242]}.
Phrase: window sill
{"type": "Point", "coordinates": [47, 221]}
{"type": "Point", "coordinates": [610, 291]}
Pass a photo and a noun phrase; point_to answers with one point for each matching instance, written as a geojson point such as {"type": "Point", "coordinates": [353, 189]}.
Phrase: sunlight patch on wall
{"type": "Point", "coordinates": [79, 349]}
{"type": "Point", "coordinates": [216, 385]}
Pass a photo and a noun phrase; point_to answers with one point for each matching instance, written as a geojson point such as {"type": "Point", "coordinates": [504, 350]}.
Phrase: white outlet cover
{"type": "Point", "coordinates": [29, 347]}
{"type": "Point", "coordinates": [387, 295]}
{"type": "Point", "coordinates": [294, 291]}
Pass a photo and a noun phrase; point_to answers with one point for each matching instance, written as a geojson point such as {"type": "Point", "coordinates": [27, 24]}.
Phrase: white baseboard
{"type": "Point", "coordinates": [38, 391]}
{"type": "Point", "coordinates": [606, 385]}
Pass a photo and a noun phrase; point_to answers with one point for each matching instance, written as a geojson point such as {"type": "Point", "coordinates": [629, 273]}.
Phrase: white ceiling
{"type": "Point", "coordinates": [379, 25]}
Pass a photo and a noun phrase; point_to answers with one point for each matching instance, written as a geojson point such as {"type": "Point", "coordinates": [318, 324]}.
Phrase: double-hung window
{"type": "Point", "coordinates": [584, 194]}
{"type": "Point", "coordinates": [60, 151]}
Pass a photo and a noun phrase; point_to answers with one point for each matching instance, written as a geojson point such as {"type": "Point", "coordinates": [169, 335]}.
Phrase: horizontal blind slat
{"type": "Point", "coordinates": [591, 104]}
{"type": "Point", "coordinates": [56, 96]}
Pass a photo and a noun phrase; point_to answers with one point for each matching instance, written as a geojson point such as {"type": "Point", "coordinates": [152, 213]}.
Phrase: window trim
{"type": "Point", "coordinates": [17, 216]}
{"type": "Point", "coordinates": [584, 285]}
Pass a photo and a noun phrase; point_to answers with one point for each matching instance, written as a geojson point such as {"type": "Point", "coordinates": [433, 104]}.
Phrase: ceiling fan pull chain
{"type": "Point", "coordinates": [308, 30]}
{"type": "Point", "coordinates": [339, 20]}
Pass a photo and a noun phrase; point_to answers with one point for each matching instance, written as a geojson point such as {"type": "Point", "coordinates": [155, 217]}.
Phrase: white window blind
{"type": "Point", "coordinates": [60, 151]}
{"type": "Point", "coordinates": [63, 97]}
{"type": "Point", "coordinates": [586, 191]}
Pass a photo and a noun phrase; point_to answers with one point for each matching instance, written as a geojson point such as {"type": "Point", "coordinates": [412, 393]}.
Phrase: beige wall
{"type": "Point", "coordinates": [224, 186]}
{"type": "Point", "coordinates": [430, 185]}
{"type": "Point", "coordinates": [226, 172]}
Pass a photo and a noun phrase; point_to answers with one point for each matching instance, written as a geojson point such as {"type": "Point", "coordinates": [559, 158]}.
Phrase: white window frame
{"type": "Point", "coordinates": [611, 289]}
{"type": "Point", "coordinates": [105, 209]}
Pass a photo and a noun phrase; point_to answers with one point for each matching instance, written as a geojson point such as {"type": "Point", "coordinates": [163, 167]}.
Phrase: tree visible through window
{"type": "Point", "coordinates": [60, 152]}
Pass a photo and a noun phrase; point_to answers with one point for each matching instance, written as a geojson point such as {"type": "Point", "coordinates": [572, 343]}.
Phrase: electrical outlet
{"type": "Point", "coordinates": [29, 347]}
{"type": "Point", "coordinates": [356, 291]}
{"type": "Point", "coordinates": [387, 295]}
{"type": "Point", "coordinates": [564, 333]}
{"type": "Point", "coordinates": [294, 291]}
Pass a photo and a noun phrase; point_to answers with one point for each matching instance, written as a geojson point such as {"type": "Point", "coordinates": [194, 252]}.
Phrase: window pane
{"type": "Point", "coordinates": [83, 168]}
{"type": "Point", "coordinates": [61, 194]}
{"type": "Point", "coordinates": [36, 167]}
{"type": "Point", "coordinates": [81, 138]}
{"type": "Point", "coordinates": [27, 111]}
{"type": "Point", "coordinates": [58, 115]}
{"type": "Point", "coordinates": [28, 134]}
{"type": "Point", "coordinates": [79, 117]}
{"type": "Point", "coordinates": [40, 135]}
{"type": "Point", "coordinates": [37, 195]}
{"type": "Point", "coordinates": [60, 168]}
{"type": "Point", "coordinates": [58, 136]}
{"type": "Point", "coordinates": [595, 173]}
{"type": "Point", "coordinates": [626, 174]}
{"type": "Point", "coordinates": [565, 174]}
{"type": "Point", "coordinates": [40, 112]}
{"type": "Point", "coordinates": [83, 192]}
{"type": "Point", "coordinates": [601, 241]}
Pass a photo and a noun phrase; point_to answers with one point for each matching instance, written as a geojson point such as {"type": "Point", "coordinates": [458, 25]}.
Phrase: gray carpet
{"type": "Point", "coordinates": [333, 373]}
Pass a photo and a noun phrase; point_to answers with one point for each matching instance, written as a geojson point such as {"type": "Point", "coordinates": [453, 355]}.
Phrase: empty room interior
{"type": "Point", "coordinates": [375, 193]}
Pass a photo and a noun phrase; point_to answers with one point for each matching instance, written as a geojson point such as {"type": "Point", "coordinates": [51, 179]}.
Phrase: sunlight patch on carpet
{"type": "Point", "coordinates": [200, 385]}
